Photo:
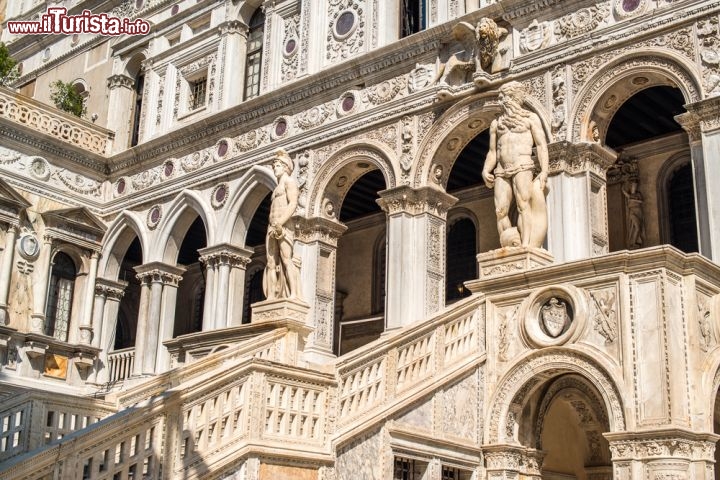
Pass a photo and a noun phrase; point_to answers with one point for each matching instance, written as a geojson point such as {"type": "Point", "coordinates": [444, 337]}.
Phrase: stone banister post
{"type": "Point", "coordinates": [577, 200]}
{"type": "Point", "coordinates": [317, 245]}
{"type": "Point", "coordinates": [416, 252]}
{"type": "Point", "coordinates": [8, 254]}
{"type": "Point", "coordinates": [702, 124]}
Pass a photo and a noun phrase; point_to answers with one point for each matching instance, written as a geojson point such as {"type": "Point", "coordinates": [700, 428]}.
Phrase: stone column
{"type": "Point", "coordinates": [41, 281]}
{"type": "Point", "coordinates": [577, 200]}
{"type": "Point", "coordinates": [233, 36]}
{"type": "Point", "coordinates": [210, 262]}
{"type": "Point", "coordinates": [86, 328]}
{"type": "Point", "coordinates": [512, 462]}
{"type": "Point", "coordinates": [154, 312]}
{"type": "Point", "coordinates": [6, 270]}
{"type": "Point", "coordinates": [121, 94]}
{"type": "Point", "coordinates": [663, 454]}
{"type": "Point", "coordinates": [416, 252]}
{"type": "Point", "coordinates": [108, 294]}
{"type": "Point", "coordinates": [317, 246]}
{"type": "Point", "coordinates": [702, 123]}
{"type": "Point", "coordinates": [167, 319]}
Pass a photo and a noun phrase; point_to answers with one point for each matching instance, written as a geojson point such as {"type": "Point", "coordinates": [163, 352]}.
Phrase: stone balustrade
{"type": "Point", "coordinates": [120, 364]}
{"type": "Point", "coordinates": [37, 116]}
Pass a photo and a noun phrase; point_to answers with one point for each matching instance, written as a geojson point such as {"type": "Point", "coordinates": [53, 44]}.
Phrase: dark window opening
{"type": "Point", "coordinates": [139, 85]}
{"type": "Point", "coordinates": [461, 263]}
{"type": "Point", "coordinates": [681, 200]}
{"type": "Point", "coordinates": [412, 17]}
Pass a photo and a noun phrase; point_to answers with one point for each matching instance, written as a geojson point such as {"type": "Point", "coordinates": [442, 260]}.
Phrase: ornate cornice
{"type": "Point", "coordinates": [405, 199]}
{"type": "Point", "coordinates": [664, 443]}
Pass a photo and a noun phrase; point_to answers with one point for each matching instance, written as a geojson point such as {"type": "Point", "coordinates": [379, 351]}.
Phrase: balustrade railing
{"type": "Point", "coordinates": [120, 364]}
{"type": "Point", "coordinates": [50, 121]}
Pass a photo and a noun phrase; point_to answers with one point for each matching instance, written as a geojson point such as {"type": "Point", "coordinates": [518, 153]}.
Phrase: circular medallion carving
{"type": "Point", "coordinates": [290, 47]}
{"type": "Point", "coordinates": [29, 246]}
{"type": "Point", "coordinates": [219, 195]}
{"type": "Point", "coordinates": [175, 9]}
{"type": "Point", "coordinates": [139, 4]}
{"type": "Point", "coordinates": [347, 103]}
{"type": "Point", "coordinates": [553, 316]}
{"type": "Point", "coordinates": [280, 128]}
{"type": "Point", "coordinates": [629, 8]}
{"type": "Point", "coordinates": [345, 24]}
{"type": "Point", "coordinates": [154, 216]}
{"type": "Point", "coordinates": [121, 186]}
{"type": "Point", "coordinates": [75, 39]}
{"type": "Point", "coordinates": [640, 81]}
{"type": "Point", "coordinates": [168, 169]}
{"type": "Point", "coordinates": [39, 168]}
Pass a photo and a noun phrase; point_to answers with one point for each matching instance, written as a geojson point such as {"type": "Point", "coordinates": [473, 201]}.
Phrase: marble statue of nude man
{"type": "Point", "coordinates": [512, 172]}
{"type": "Point", "coordinates": [282, 278]}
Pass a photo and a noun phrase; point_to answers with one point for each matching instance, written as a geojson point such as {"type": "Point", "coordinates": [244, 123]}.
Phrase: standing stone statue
{"type": "Point", "coordinates": [635, 222]}
{"type": "Point", "coordinates": [282, 278]}
{"type": "Point", "coordinates": [511, 171]}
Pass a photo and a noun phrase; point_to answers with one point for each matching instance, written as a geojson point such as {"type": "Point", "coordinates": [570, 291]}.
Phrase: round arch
{"type": "Point", "coordinates": [531, 373]}
{"type": "Point", "coordinates": [339, 172]}
{"type": "Point", "coordinates": [618, 80]}
{"type": "Point", "coordinates": [118, 238]}
{"type": "Point", "coordinates": [180, 215]}
{"type": "Point", "coordinates": [249, 193]}
{"type": "Point", "coordinates": [442, 145]}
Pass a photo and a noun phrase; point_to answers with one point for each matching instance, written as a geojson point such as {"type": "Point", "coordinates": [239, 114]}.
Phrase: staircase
{"type": "Point", "coordinates": [204, 420]}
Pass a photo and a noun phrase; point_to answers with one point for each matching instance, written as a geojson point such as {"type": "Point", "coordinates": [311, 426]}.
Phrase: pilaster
{"type": "Point", "coordinates": [416, 252]}
{"type": "Point", "coordinates": [121, 95]}
{"type": "Point", "coordinates": [577, 200]}
{"type": "Point", "coordinates": [233, 36]}
{"type": "Point", "coordinates": [317, 241]}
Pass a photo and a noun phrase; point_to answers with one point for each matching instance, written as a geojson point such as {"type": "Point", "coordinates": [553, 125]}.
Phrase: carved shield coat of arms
{"type": "Point", "coordinates": [554, 317]}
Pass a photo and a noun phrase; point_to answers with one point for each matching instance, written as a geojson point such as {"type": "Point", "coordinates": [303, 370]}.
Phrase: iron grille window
{"type": "Point", "coordinates": [60, 297]}
{"type": "Point", "coordinates": [198, 90]}
{"type": "Point", "coordinates": [253, 60]}
{"type": "Point", "coordinates": [408, 469]}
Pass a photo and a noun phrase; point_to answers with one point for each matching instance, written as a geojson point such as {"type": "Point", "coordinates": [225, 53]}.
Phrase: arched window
{"type": "Point", "coordinates": [60, 297]}
{"type": "Point", "coordinates": [681, 206]}
{"type": "Point", "coordinates": [461, 263]}
{"type": "Point", "coordinates": [253, 58]}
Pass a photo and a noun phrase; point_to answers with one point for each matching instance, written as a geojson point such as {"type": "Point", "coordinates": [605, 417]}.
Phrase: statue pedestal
{"type": "Point", "coordinates": [280, 309]}
{"type": "Point", "coordinates": [506, 260]}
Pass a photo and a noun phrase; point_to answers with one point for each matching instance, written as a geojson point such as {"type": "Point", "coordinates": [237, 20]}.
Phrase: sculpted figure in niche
{"type": "Point", "coordinates": [512, 172]}
{"type": "Point", "coordinates": [635, 222]}
{"type": "Point", "coordinates": [282, 278]}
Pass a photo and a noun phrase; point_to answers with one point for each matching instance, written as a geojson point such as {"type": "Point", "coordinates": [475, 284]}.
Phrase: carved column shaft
{"type": "Point", "coordinates": [703, 128]}
{"type": "Point", "coordinates": [317, 245]}
{"type": "Point", "coordinates": [209, 303]}
{"type": "Point", "coordinates": [6, 270]}
{"type": "Point", "coordinates": [222, 262]}
{"type": "Point", "coordinates": [106, 306]}
{"type": "Point", "coordinates": [577, 201]}
{"type": "Point", "coordinates": [86, 327]}
{"type": "Point", "coordinates": [234, 36]}
{"type": "Point", "coordinates": [416, 253]}
{"type": "Point", "coordinates": [121, 88]}
{"type": "Point", "coordinates": [41, 280]}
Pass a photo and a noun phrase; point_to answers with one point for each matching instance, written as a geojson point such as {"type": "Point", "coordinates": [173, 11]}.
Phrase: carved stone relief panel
{"type": "Point", "coordinates": [290, 50]}
{"type": "Point", "coordinates": [708, 31]}
{"type": "Point", "coordinates": [353, 459]}
{"type": "Point", "coordinates": [420, 416]}
{"type": "Point", "coordinates": [582, 21]}
{"type": "Point", "coordinates": [459, 402]}
{"type": "Point", "coordinates": [346, 29]}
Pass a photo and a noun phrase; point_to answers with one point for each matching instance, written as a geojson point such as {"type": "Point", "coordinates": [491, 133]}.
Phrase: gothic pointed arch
{"type": "Point", "coordinates": [250, 191]}
{"type": "Point", "coordinates": [181, 213]}
{"type": "Point", "coordinates": [121, 233]}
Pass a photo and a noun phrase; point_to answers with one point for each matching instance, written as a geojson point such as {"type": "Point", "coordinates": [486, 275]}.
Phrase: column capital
{"type": "Point", "coordinates": [160, 273]}
{"type": "Point", "coordinates": [513, 458]}
{"type": "Point", "coordinates": [574, 158]}
{"type": "Point", "coordinates": [318, 229]}
{"type": "Point", "coordinates": [233, 27]}
{"type": "Point", "coordinates": [662, 443]}
{"type": "Point", "coordinates": [418, 201]}
{"type": "Point", "coordinates": [706, 112]}
{"type": "Point", "coordinates": [116, 81]}
{"type": "Point", "coordinates": [225, 253]}
{"type": "Point", "coordinates": [110, 288]}
{"type": "Point", "coordinates": [690, 122]}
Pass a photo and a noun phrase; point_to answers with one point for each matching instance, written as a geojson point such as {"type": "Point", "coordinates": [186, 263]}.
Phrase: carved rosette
{"type": "Point", "coordinates": [290, 56]}
{"type": "Point", "coordinates": [346, 28]}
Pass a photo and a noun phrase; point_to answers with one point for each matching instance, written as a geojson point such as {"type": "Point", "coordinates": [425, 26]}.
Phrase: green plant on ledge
{"type": "Point", "coordinates": [9, 71]}
{"type": "Point", "coordinates": [66, 98]}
